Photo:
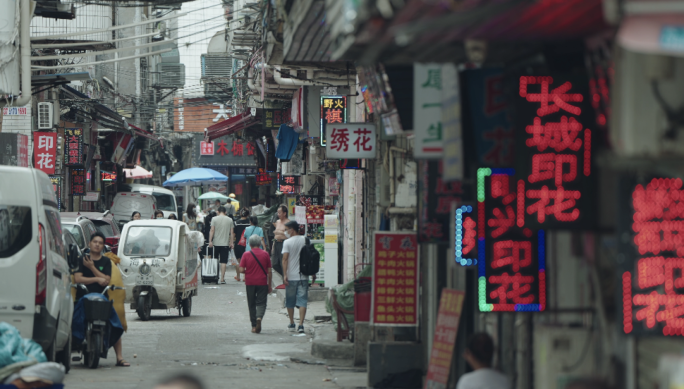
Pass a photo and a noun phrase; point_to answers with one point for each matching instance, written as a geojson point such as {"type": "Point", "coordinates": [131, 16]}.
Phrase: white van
{"type": "Point", "coordinates": [166, 200]}
{"type": "Point", "coordinates": [125, 203]}
{"type": "Point", "coordinates": [35, 283]}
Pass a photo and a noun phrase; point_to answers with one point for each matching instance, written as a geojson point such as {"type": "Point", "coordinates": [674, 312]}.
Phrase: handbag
{"type": "Point", "coordinates": [242, 241]}
{"type": "Point", "coordinates": [257, 261]}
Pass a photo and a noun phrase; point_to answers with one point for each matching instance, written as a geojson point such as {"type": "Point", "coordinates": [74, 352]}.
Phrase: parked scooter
{"type": "Point", "coordinates": [98, 311]}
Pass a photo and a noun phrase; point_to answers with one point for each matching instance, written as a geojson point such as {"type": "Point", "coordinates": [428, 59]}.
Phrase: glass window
{"type": "Point", "coordinates": [148, 241]}
{"type": "Point", "coordinates": [165, 202]}
{"type": "Point", "coordinates": [75, 230]}
{"type": "Point", "coordinates": [15, 229]}
{"type": "Point", "coordinates": [56, 232]}
{"type": "Point", "coordinates": [105, 228]}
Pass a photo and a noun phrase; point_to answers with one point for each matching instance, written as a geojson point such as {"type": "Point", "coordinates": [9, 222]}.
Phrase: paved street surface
{"type": "Point", "coordinates": [216, 344]}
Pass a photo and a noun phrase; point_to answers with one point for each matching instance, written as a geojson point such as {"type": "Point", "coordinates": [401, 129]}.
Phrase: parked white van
{"type": "Point", "coordinates": [35, 283]}
{"type": "Point", "coordinates": [166, 200]}
{"type": "Point", "coordinates": [125, 203]}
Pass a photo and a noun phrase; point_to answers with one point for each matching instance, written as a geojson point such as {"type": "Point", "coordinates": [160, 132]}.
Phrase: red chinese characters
{"type": "Point", "coordinates": [450, 308]}
{"type": "Point", "coordinates": [73, 146]}
{"type": "Point", "coordinates": [78, 182]}
{"type": "Point", "coordinates": [395, 279]}
{"type": "Point", "coordinates": [45, 151]}
{"type": "Point", "coordinates": [510, 262]}
{"type": "Point", "coordinates": [561, 153]}
{"type": "Point", "coordinates": [654, 294]}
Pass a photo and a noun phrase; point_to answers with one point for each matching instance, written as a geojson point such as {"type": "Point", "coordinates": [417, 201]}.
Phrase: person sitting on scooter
{"type": "Point", "coordinates": [95, 273]}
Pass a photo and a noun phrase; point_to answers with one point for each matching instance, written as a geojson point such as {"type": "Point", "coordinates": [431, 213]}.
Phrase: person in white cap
{"type": "Point", "coordinates": [41, 375]}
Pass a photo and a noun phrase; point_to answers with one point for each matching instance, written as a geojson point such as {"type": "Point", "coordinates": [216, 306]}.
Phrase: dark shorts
{"type": "Point", "coordinates": [221, 252]}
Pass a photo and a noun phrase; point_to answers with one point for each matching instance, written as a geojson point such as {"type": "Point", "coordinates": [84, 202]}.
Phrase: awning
{"type": "Point", "coordinates": [144, 133]}
{"type": "Point", "coordinates": [653, 34]}
{"type": "Point", "coordinates": [232, 125]}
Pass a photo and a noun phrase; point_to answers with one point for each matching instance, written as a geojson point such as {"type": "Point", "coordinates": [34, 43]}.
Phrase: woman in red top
{"type": "Point", "coordinates": [256, 266]}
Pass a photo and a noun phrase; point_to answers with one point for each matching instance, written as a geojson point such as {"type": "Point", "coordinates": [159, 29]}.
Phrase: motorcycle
{"type": "Point", "coordinates": [98, 311]}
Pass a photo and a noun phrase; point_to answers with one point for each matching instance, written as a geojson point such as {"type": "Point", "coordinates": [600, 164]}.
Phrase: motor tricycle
{"type": "Point", "coordinates": [159, 262]}
{"type": "Point", "coordinates": [98, 311]}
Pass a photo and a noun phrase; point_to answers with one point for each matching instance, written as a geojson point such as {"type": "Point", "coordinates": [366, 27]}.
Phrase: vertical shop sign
{"type": "Point", "coordinates": [554, 152]}
{"type": "Point", "coordinates": [427, 111]}
{"type": "Point", "coordinates": [57, 187]}
{"type": "Point", "coordinates": [395, 279]}
{"type": "Point", "coordinates": [333, 111]}
{"type": "Point", "coordinates": [73, 146]}
{"type": "Point", "coordinates": [488, 116]}
{"type": "Point", "coordinates": [291, 203]}
{"type": "Point", "coordinates": [451, 122]}
{"type": "Point", "coordinates": [434, 209]}
{"type": "Point", "coordinates": [78, 182]}
{"type": "Point", "coordinates": [465, 239]}
{"type": "Point", "coordinates": [652, 284]}
{"type": "Point", "coordinates": [45, 151]}
{"type": "Point", "coordinates": [511, 256]}
{"type": "Point", "coordinates": [448, 317]}
{"type": "Point", "coordinates": [14, 149]}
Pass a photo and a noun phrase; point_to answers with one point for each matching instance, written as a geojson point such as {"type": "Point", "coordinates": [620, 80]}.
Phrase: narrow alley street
{"type": "Point", "coordinates": [216, 344]}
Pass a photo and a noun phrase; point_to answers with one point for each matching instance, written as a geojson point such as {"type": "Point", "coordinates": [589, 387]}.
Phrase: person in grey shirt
{"type": "Point", "coordinates": [221, 238]}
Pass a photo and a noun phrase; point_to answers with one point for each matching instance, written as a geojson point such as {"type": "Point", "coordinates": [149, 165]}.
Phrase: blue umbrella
{"type": "Point", "coordinates": [195, 176]}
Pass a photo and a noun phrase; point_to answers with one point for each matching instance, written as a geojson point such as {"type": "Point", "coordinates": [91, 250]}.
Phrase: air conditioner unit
{"type": "Point", "coordinates": [170, 75]}
{"type": "Point", "coordinates": [216, 74]}
{"type": "Point", "coordinates": [45, 116]}
{"type": "Point", "coordinates": [316, 159]}
{"type": "Point", "coordinates": [562, 354]}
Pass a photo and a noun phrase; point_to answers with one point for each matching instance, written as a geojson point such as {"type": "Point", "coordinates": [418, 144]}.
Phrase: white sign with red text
{"type": "Point", "coordinates": [45, 151]}
{"type": "Point", "coordinates": [206, 148]}
{"type": "Point", "coordinates": [351, 141]}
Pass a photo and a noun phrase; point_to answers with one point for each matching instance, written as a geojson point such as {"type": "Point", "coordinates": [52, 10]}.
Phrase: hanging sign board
{"type": "Point", "coordinates": [448, 317]}
{"type": "Point", "coordinates": [73, 146]}
{"type": "Point", "coordinates": [333, 111]}
{"type": "Point", "coordinates": [351, 140]}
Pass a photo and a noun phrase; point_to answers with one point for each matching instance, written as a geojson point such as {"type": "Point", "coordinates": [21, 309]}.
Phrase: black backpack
{"type": "Point", "coordinates": [309, 259]}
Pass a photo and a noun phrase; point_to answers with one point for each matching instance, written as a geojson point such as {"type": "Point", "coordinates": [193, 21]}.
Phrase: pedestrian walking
{"type": "Point", "coordinates": [254, 229]}
{"type": "Point", "coordinates": [296, 284]}
{"type": "Point", "coordinates": [256, 266]}
{"type": "Point", "coordinates": [479, 354]}
{"type": "Point", "coordinates": [239, 237]}
{"type": "Point", "coordinates": [221, 238]}
{"type": "Point", "coordinates": [190, 217]}
{"type": "Point", "coordinates": [279, 238]}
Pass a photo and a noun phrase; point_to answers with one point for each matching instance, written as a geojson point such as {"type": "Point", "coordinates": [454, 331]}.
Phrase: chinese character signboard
{"type": "Point", "coordinates": [108, 176]}
{"type": "Point", "coordinates": [652, 216]}
{"type": "Point", "coordinates": [511, 256]}
{"type": "Point", "coordinates": [488, 116]}
{"type": "Point", "coordinates": [289, 184]}
{"type": "Point", "coordinates": [57, 187]}
{"type": "Point", "coordinates": [427, 111]}
{"type": "Point", "coordinates": [78, 182]}
{"type": "Point", "coordinates": [226, 151]}
{"type": "Point", "coordinates": [273, 118]}
{"type": "Point", "coordinates": [465, 239]}
{"type": "Point", "coordinates": [395, 279]}
{"type": "Point", "coordinates": [206, 148]}
{"type": "Point", "coordinates": [553, 152]}
{"type": "Point", "coordinates": [263, 178]}
{"type": "Point", "coordinates": [14, 149]}
{"type": "Point", "coordinates": [45, 151]}
{"type": "Point", "coordinates": [353, 140]}
{"type": "Point", "coordinates": [448, 317]}
{"type": "Point", "coordinates": [451, 122]}
{"type": "Point", "coordinates": [73, 146]}
{"type": "Point", "coordinates": [333, 111]}
{"type": "Point", "coordinates": [434, 209]}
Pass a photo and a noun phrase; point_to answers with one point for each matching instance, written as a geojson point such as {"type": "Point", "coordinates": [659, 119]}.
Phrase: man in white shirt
{"type": "Point", "coordinates": [221, 238]}
{"type": "Point", "coordinates": [479, 354]}
{"type": "Point", "coordinates": [296, 284]}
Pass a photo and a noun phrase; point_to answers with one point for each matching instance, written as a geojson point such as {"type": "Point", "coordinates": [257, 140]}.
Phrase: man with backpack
{"type": "Point", "coordinates": [300, 260]}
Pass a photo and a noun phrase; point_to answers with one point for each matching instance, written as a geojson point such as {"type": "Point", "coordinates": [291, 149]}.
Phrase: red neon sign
{"type": "Point", "coordinates": [655, 295]}
{"type": "Point", "coordinates": [558, 149]}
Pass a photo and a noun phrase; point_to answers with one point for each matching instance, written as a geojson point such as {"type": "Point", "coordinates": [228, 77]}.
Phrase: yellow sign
{"type": "Point", "coordinates": [291, 201]}
{"type": "Point", "coordinates": [331, 239]}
